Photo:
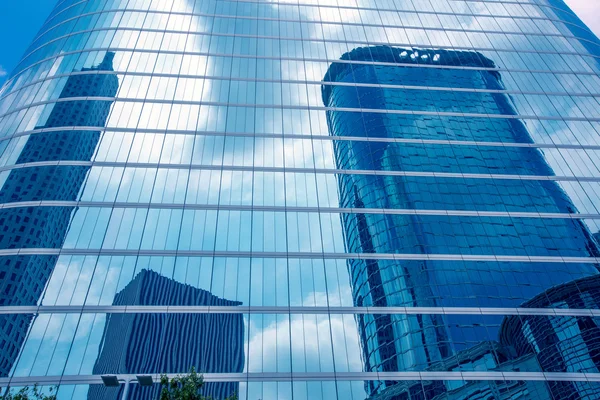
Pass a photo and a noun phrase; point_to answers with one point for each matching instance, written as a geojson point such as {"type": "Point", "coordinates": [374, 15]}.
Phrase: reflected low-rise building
{"type": "Point", "coordinates": [489, 356]}
{"type": "Point", "coordinates": [170, 343]}
{"type": "Point", "coordinates": [560, 343]}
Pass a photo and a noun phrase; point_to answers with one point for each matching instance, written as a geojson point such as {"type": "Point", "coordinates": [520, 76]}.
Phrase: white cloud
{"type": "Point", "coordinates": [588, 11]}
{"type": "Point", "coordinates": [304, 343]}
{"type": "Point", "coordinates": [3, 72]}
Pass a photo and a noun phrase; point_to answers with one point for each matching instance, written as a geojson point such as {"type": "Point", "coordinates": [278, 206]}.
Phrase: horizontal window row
{"type": "Point", "coordinates": [311, 232]}
{"type": "Point", "coordinates": [352, 30]}
{"type": "Point", "coordinates": [152, 19]}
{"type": "Point", "coordinates": [569, 143]}
{"type": "Point", "coordinates": [196, 64]}
{"type": "Point", "coordinates": [357, 25]}
{"type": "Point", "coordinates": [278, 190]}
{"type": "Point", "coordinates": [302, 94]}
{"type": "Point", "coordinates": [367, 4]}
{"type": "Point", "coordinates": [334, 48]}
{"type": "Point", "coordinates": [533, 10]}
{"type": "Point", "coordinates": [269, 67]}
{"type": "Point", "coordinates": [290, 208]}
{"type": "Point", "coordinates": [356, 34]}
{"type": "Point", "coordinates": [243, 118]}
{"type": "Point", "coordinates": [320, 48]}
{"type": "Point", "coordinates": [337, 172]}
{"type": "Point", "coordinates": [342, 386]}
{"type": "Point", "coordinates": [421, 97]}
{"type": "Point", "coordinates": [304, 255]}
{"type": "Point", "coordinates": [191, 87]}
{"type": "Point", "coordinates": [270, 94]}
{"type": "Point", "coordinates": [74, 344]}
{"type": "Point", "coordinates": [297, 310]}
{"type": "Point", "coordinates": [406, 287]}
{"type": "Point", "coordinates": [368, 11]}
{"type": "Point", "coordinates": [323, 155]}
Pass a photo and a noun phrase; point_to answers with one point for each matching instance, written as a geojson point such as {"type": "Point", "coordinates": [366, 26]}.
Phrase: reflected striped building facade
{"type": "Point", "coordinates": [387, 200]}
{"type": "Point", "coordinates": [133, 344]}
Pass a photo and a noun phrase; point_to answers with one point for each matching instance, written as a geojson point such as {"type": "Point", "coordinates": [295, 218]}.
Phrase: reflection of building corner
{"type": "Point", "coordinates": [526, 343]}
{"type": "Point", "coordinates": [23, 278]}
{"type": "Point", "coordinates": [597, 238]}
{"type": "Point", "coordinates": [560, 344]}
{"type": "Point", "coordinates": [154, 343]}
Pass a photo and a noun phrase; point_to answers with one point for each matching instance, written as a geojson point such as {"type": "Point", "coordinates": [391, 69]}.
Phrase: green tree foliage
{"type": "Point", "coordinates": [28, 393]}
{"type": "Point", "coordinates": [186, 387]}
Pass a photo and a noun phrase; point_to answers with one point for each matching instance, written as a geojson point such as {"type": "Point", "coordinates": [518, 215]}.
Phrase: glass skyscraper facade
{"type": "Point", "coordinates": [326, 199]}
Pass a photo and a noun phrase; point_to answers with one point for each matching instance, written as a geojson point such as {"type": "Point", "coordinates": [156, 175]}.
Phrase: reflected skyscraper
{"type": "Point", "coordinates": [468, 83]}
{"type": "Point", "coordinates": [23, 278]}
{"type": "Point", "coordinates": [170, 343]}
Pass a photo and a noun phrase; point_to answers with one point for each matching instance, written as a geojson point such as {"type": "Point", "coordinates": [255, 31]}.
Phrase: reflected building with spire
{"type": "Point", "coordinates": [23, 278]}
{"type": "Point", "coordinates": [388, 136]}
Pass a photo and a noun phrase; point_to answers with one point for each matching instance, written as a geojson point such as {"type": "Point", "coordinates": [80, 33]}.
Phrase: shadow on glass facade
{"type": "Point", "coordinates": [429, 342]}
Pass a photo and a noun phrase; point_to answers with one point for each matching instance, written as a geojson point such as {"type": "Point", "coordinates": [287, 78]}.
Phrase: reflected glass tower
{"type": "Point", "coordinates": [23, 278]}
{"type": "Point", "coordinates": [414, 342]}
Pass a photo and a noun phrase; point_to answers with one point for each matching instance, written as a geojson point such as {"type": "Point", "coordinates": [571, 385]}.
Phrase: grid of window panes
{"type": "Point", "coordinates": [303, 199]}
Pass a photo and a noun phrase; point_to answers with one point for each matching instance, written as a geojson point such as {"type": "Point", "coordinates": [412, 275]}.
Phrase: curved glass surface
{"type": "Point", "coordinates": [358, 199]}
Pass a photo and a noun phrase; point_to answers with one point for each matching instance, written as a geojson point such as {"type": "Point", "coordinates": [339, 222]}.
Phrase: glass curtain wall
{"type": "Point", "coordinates": [303, 200]}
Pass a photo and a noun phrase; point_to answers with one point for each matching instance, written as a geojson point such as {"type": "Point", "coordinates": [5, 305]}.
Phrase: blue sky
{"type": "Point", "coordinates": [20, 21]}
